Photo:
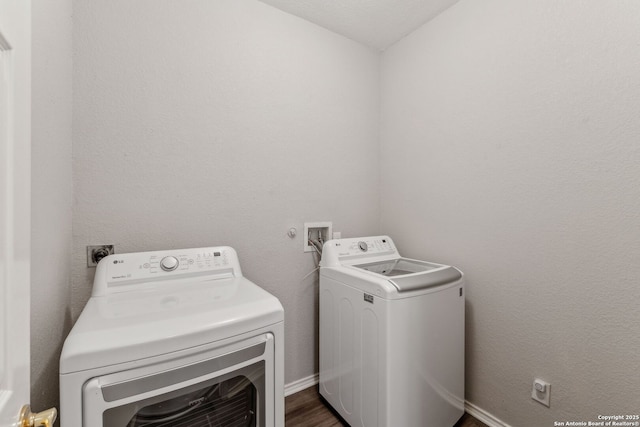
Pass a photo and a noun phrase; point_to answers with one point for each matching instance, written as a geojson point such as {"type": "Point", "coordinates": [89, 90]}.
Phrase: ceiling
{"type": "Point", "coordinates": [375, 23]}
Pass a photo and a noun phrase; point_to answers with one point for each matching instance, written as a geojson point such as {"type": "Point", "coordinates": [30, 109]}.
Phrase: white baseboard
{"type": "Point", "coordinates": [479, 413]}
{"type": "Point", "coordinates": [482, 415]}
{"type": "Point", "coordinates": [301, 384]}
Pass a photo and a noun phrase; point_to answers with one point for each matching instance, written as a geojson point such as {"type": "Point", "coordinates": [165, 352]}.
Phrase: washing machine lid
{"type": "Point", "coordinates": [123, 327]}
{"type": "Point", "coordinates": [397, 267]}
{"type": "Point", "coordinates": [409, 274]}
{"type": "Point", "coordinates": [376, 259]}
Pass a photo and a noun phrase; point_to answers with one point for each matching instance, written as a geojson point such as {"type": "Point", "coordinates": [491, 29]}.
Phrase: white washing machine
{"type": "Point", "coordinates": [391, 336]}
{"type": "Point", "coordinates": [174, 338]}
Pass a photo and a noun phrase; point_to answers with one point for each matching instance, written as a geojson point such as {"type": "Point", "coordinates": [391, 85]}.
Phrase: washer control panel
{"type": "Point", "coordinates": [148, 266]}
{"type": "Point", "coordinates": [348, 251]}
{"type": "Point", "coordinates": [370, 246]}
{"type": "Point", "coordinates": [169, 263]}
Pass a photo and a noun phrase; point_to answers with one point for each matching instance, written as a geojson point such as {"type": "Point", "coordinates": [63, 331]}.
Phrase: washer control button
{"type": "Point", "coordinates": [363, 246]}
{"type": "Point", "coordinates": [169, 263]}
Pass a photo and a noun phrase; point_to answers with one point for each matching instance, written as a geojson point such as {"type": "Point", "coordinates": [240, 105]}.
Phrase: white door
{"type": "Point", "coordinates": [15, 164]}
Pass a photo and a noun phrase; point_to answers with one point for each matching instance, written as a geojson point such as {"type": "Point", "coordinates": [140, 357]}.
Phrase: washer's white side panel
{"type": "Point", "coordinates": [396, 362]}
{"type": "Point", "coordinates": [426, 359]}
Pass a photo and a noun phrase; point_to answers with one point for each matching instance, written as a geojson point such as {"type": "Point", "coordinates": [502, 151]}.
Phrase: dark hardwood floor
{"type": "Point", "coordinates": [306, 409]}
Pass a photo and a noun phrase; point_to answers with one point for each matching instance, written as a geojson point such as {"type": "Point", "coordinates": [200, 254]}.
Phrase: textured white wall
{"type": "Point", "coordinates": [510, 148]}
{"type": "Point", "coordinates": [51, 194]}
{"type": "Point", "coordinates": [221, 123]}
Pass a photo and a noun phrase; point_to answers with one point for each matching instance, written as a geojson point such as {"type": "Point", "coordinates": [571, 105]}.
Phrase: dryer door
{"type": "Point", "coordinates": [230, 400]}
{"type": "Point", "coordinates": [230, 389]}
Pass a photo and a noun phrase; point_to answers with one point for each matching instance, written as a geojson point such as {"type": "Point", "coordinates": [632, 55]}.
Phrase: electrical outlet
{"type": "Point", "coordinates": [541, 391]}
{"type": "Point", "coordinates": [321, 231]}
{"type": "Point", "coordinates": [96, 253]}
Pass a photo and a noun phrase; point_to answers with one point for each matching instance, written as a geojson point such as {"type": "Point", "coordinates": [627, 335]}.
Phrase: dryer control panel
{"type": "Point", "coordinates": [131, 269]}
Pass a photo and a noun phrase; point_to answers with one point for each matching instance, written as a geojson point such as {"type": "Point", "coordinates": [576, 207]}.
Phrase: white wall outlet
{"type": "Point", "coordinates": [541, 391]}
{"type": "Point", "coordinates": [322, 231]}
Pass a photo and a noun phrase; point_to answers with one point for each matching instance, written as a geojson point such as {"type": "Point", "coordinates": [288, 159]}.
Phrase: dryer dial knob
{"type": "Point", "coordinates": [169, 263]}
{"type": "Point", "coordinates": [363, 246]}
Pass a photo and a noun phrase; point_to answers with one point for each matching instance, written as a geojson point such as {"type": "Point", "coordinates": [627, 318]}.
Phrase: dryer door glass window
{"type": "Point", "coordinates": [228, 403]}
{"type": "Point", "coordinates": [232, 400]}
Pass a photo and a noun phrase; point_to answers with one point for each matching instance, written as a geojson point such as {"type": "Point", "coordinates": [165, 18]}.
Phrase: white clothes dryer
{"type": "Point", "coordinates": [174, 338]}
{"type": "Point", "coordinates": [391, 336]}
